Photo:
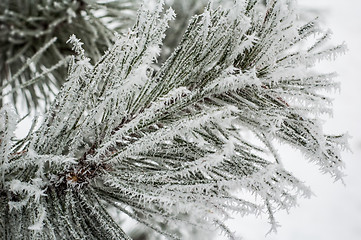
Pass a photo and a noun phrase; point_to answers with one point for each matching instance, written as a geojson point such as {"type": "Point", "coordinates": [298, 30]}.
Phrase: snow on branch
{"type": "Point", "coordinates": [171, 144]}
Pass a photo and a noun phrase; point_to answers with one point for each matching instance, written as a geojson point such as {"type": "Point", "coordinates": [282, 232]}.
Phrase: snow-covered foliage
{"type": "Point", "coordinates": [172, 145]}
{"type": "Point", "coordinates": [27, 25]}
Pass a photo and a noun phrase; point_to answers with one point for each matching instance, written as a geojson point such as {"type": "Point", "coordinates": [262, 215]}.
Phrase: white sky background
{"type": "Point", "coordinates": [334, 213]}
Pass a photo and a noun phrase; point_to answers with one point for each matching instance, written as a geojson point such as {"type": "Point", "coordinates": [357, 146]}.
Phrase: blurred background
{"type": "Point", "coordinates": [334, 212]}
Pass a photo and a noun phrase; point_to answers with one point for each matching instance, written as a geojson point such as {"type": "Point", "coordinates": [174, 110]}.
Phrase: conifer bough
{"type": "Point", "coordinates": [172, 145]}
{"type": "Point", "coordinates": [27, 25]}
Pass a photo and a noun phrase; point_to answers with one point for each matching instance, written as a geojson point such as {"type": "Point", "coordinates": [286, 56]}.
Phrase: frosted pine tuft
{"type": "Point", "coordinates": [171, 145]}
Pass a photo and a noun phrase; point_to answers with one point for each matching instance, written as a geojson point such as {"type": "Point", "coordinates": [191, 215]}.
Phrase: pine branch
{"type": "Point", "coordinates": [171, 145]}
{"type": "Point", "coordinates": [27, 25]}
